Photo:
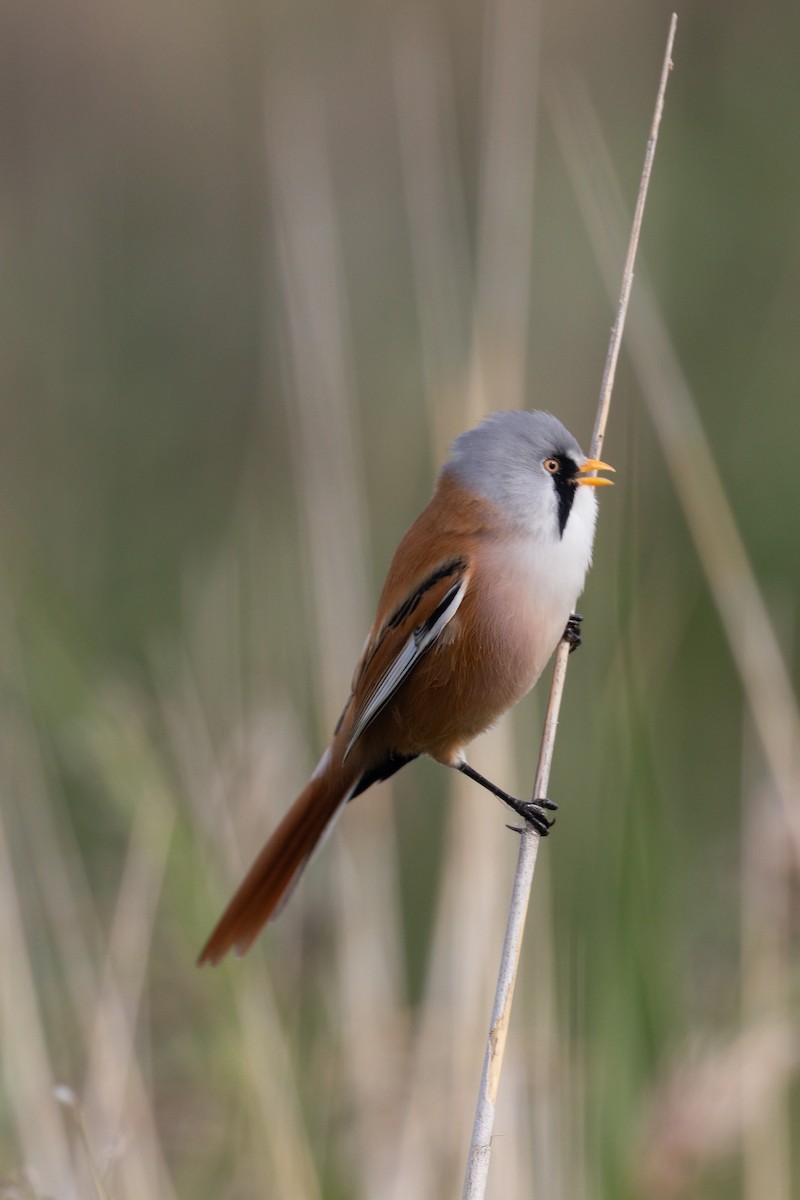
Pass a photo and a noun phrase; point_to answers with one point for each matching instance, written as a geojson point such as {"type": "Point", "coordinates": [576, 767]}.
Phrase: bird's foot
{"type": "Point", "coordinates": [572, 633]}
{"type": "Point", "coordinates": [532, 811]}
{"type": "Point", "coordinates": [535, 813]}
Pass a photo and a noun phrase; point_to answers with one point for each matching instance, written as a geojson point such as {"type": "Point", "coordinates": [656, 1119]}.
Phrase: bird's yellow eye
{"type": "Point", "coordinates": [552, 466]}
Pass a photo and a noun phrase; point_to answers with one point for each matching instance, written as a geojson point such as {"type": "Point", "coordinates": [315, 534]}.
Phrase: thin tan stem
{"type": "Point", "coordinates": [615, 341]}
{"type": "Point", "coordinates": [480, 1146]}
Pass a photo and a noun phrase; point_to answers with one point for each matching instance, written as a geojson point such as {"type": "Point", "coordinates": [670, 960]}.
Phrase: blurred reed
{"type": "Point", "coordinates": [322, 401]}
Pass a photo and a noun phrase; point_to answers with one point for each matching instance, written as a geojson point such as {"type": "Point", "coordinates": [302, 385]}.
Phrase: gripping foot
{"type": "Point", "coordinates": [572, 633]}
{"type": "Point", "coordinates": [532, 811]}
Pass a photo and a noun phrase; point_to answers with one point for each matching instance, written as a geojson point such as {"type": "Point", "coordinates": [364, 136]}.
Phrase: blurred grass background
{"type": "Point", "coordinates": [259, 263]}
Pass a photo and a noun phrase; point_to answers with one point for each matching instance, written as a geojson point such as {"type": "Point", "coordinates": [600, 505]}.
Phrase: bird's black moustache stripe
{"type": "Point", "coordinates": [565, 483]}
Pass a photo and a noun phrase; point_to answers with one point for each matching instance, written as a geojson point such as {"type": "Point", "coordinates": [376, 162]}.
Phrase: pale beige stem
{"type": "Point", "coordinates": [480, 1147]}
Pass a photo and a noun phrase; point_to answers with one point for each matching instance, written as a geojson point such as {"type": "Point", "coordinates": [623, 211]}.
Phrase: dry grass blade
{"type": "Point", "coordinates": [277, 1144]}
{"type": "Point", "coordinates": [767, 955]}
{"type": "Point", "coordinates": [26, 1070]}
{"type": "Point", "coordinates": [118, 1106]}
{"type": "Point", "coordinates": [713, 1093]}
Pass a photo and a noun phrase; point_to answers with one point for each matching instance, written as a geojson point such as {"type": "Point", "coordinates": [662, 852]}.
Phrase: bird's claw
{"type": "Point", "coordinates": [534, 812]}
{"type": "Point", "coordinates": [572, 632]}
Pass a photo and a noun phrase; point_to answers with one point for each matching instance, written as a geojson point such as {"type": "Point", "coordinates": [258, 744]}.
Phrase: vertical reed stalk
{"type": "Point", "coordinates": [480, 1147]}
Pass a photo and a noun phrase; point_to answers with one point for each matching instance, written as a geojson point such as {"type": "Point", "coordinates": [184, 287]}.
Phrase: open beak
{"type": "Point", "coordinates": [594, 464]}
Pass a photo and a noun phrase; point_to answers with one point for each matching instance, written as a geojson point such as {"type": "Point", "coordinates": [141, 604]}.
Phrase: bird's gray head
{"type": "Point", "coordinates": [528, 465]}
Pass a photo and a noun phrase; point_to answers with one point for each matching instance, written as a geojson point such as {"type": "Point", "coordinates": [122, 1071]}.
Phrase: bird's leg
{"type": "Point", "coordinates": [572, 633]}
{"type": "Point", "coordinates": [533, 811]}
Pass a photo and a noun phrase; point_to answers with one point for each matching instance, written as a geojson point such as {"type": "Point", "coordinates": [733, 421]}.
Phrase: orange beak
{"type": "Point", "coordinates": [594, 464]}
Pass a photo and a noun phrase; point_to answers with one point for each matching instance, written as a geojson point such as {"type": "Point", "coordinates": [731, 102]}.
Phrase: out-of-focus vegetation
{"type": "Point", "coordinates": [258, 264]}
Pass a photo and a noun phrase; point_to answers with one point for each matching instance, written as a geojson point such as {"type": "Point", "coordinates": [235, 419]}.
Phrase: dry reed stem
{"type": "Point", "coordinates": [278, 1142]}
{"type": "Point", "coordinates": [480, 1147]}
{"type": "Point", "coordinates": [766, 978]}
{"type": "Point", "coordinates": [27, 1072]}
{"type": "Point", "coordinates": [753, 643]}
{"type": "Point", "coordinates": [762, 664]}
{"type": "Point", "coordinates": [321, 388]}
{"type": "Point", "coordinates": [116, 1104]}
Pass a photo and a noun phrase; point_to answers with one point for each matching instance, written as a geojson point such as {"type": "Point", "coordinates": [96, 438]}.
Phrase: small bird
{"type": "Point", "coordinates": [477, 597]}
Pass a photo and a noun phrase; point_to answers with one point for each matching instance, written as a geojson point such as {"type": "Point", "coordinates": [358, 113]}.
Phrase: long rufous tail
{"type": "Point", "coordinates": [280, 862]}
